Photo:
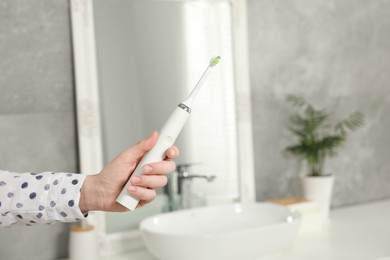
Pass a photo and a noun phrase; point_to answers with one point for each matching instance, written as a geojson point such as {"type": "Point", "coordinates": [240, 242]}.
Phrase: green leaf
{"type": "Point", "coordinates": [352, 122]}
{"type": "Point", "coordinates": [297, 150]}
{"type": "Point", "coordinates": [296, 101]}
{"type": "Point", "coordinates": [329, 144]}
{"type": "Point", "coordinates": [299, 132]}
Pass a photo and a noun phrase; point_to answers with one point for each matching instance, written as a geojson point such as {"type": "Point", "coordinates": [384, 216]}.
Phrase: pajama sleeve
{"type": "Point", "coordinates": [39, 198]}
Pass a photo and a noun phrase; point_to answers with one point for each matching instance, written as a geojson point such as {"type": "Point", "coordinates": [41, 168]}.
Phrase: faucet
{"type": "Point", "coordinates": [184, 184]}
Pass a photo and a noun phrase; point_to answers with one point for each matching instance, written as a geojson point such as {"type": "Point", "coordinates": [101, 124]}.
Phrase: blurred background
{"type": "Point", "coordinates": [334, 53]}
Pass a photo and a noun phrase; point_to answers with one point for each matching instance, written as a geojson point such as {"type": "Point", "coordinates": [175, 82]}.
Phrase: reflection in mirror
{"type": "Point", "coordinates": [150, 55]}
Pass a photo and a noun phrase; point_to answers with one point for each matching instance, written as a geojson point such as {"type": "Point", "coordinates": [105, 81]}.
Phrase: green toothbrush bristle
{"type": "Point", "coordinates": [216, 60]}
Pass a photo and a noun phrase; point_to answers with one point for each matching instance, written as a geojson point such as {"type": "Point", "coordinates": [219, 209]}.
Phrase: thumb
{"type": "Point", "coordinates": [138, 150]}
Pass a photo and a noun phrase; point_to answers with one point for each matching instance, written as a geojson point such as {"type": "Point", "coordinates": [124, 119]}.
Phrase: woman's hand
{"type": "Point", "coordinates": [100, 191]}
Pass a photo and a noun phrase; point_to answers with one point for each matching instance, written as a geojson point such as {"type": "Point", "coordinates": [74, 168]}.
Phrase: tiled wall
{"type": "Point", "coordinates": [37, 115]}
{"type": "Point", "coordinates": [336, 54]}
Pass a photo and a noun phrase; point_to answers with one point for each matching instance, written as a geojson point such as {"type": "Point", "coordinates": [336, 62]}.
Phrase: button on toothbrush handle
{"type": "Point", "coordinates": [167, 138]}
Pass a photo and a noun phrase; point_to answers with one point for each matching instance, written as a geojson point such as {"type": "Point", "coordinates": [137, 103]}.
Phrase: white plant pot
{"type": "Point", "coordinates": [319, 189]}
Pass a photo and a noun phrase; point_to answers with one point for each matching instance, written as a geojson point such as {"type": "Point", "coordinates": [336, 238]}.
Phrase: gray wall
{"type": "Point", "coordinates": [336, 54]}
{"type": "Point", "coordinates": [37, 116]}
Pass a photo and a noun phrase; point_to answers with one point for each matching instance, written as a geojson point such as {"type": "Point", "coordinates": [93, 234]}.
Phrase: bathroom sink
{"type": "Point", "coordinates": [227, 232]}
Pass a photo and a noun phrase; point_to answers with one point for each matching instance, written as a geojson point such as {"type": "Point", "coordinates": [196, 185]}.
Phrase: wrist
{"type": "Point", "coordinates": [88, 195]}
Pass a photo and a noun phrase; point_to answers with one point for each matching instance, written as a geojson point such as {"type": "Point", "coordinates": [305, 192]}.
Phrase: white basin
{"type": "Point", "coordinates": [228, 232]}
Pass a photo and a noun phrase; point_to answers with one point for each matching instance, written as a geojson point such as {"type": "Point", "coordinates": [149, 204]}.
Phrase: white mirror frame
{"type": "Point", "coordinates": [88, 113]}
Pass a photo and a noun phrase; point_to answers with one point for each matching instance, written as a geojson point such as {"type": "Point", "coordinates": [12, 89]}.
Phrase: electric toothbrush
{"type": "Point", "coordinates": [167, 138]}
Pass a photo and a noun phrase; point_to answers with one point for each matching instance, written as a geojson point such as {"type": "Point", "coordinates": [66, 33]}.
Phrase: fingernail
{"type": "Point", "coordinates": [135, 179]}
{"type": "Point", "coordinates": [147, 168]}
{"type": "Point", "coordinates": [131, 188]}
{"type": "Point", "coordinates": [172, 152]}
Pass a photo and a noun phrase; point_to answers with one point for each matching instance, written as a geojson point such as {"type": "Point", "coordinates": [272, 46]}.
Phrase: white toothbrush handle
{"type": "Point", "coordinates": [168, 135]}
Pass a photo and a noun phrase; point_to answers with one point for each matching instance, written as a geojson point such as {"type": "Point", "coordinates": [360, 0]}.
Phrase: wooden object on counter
{"type": "Point", "coordinates": [312, 217]}
{"type": "Point", "coordinates": [287, 201]}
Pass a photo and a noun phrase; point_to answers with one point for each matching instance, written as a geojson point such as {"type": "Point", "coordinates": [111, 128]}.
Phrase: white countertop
{"type": "Point", "coordinates": [353, 233]}
{"type": "Point", "coordinates": [356, 232]}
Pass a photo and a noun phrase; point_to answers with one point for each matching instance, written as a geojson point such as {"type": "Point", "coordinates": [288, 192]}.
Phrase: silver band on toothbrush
{"type": "Point", "coordinates": [185, 108]}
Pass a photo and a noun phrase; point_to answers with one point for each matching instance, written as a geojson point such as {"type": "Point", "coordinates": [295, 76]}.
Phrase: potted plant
{"type": "Point", "coordinates": [318, 139]}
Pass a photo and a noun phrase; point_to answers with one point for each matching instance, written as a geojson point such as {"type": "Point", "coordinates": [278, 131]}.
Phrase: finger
{"type": "Point", "coordinates": [163, 167]}
{"type": "Point", "coordinates": [142, 203]}
{"type": "Point", "coordinates": [149, 181]}
{"type": "Point", "coordinates": [118, 208]}
{"type": "Point", "coordinates": [142, 193]}
{"type": "Point", "coordinates": [172, 152]}
{"type": "Point", "coordinates": [139, 149]}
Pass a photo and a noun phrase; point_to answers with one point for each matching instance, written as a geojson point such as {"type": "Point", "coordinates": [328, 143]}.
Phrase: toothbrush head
{"type": "Point", "coordinates": [214, 61]}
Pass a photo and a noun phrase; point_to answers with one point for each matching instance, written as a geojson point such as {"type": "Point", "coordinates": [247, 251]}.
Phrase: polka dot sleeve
{"type": "Point", "coordinates": [39, 198]}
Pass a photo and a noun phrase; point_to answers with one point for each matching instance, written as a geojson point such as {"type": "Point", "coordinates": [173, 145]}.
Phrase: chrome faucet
{"type": "Point", "coordinates": [185, 183]}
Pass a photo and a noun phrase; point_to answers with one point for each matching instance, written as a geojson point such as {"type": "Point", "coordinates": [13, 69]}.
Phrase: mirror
{"type": "Point", "coordinates": [135, 61]}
